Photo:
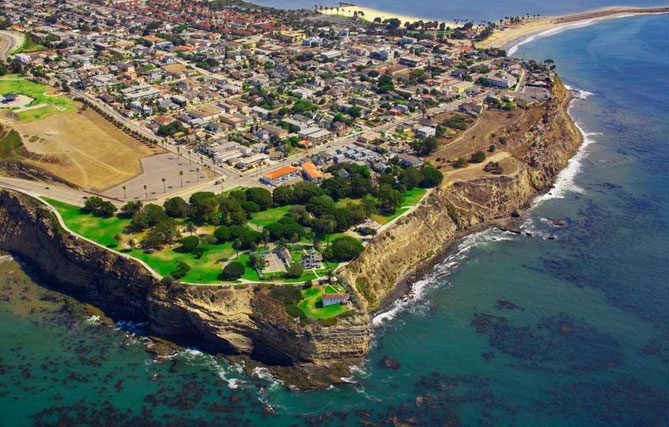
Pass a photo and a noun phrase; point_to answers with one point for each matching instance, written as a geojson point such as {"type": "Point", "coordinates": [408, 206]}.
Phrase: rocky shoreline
{"type": "Point", "coordinates": [249, 322]}
{"type": "Point", "coordinates": [543, 142]}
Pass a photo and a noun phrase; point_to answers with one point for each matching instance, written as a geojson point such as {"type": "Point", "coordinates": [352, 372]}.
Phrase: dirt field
{"type": "Point", "coordinates": [83, 148]}
{"type": "Point", "coordinates": [478, 137]}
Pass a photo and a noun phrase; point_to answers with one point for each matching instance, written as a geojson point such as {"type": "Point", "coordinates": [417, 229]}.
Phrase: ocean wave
{"type": "Point", "coordinates": [415, 300]}
{"type": "Point", "coordinates": [579, 93]}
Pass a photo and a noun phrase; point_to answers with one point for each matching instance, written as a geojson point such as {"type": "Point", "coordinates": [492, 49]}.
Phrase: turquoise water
{"type": "Point", "coordinates": [509, 330]}
{"type": "Point", "coordinates": [476, 10]}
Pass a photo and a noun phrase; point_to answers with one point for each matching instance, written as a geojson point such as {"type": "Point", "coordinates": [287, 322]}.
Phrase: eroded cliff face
{"type": "Point", "coordinates": [542, 142]}
{"type": "Point", "coordinates": [243, 319]}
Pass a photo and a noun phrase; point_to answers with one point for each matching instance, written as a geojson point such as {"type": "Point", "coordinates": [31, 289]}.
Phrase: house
{"type": "Point", "coordinates": [408, 160]}
{"type": "Point", "coordinates": [500, 79]}
{"type": "Point", "coordinates": [471, 108]}
{"type": "Point", "coordinates": [461, 87]}
{"type": "Point", "coordinates": [285, 256]}
{"type": "Point", "coordinates": [311, 172]}
{"type": "Point", "coordinates": [331, 299]}
{"type": "Point", "coordinates": [280, 176]}
{"type": "Point", "coordinates": [425, 132]}
{"type": "Point", "coordinates": [312, 260]}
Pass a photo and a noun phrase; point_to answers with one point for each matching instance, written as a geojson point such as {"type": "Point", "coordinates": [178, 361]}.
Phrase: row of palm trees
{"type": "Point", "coordinates": [164, 181]}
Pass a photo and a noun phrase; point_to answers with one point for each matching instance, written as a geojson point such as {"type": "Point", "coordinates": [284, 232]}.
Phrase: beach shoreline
{"type": "Point", "coordinates": [368, 13]}
{"type": "Point", "coordinates": [526, 32]}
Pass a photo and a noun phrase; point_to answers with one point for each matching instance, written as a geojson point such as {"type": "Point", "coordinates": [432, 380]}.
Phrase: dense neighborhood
{"type": "Point", "coordinates": [320, 129]}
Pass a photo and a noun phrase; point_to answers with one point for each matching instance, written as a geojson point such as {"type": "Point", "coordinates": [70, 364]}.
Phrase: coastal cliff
{"type": "Point", "coordinates": [233, 320]}
{"type": "Point", "coordinates": [248, 321]}
{"type": "Point", "coordinates": [541, 142]}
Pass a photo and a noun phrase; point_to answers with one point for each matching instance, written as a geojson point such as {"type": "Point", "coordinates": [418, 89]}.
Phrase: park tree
{"type": "Point", "coordinates": [204, 206]}
{"type": "Point", "coordinates": [130, 208]}
{"type": "Point", "coordinates": [410, 177]}
{"type": "Point", "coordinates": [98, 207]}
{"type": "Point", "coordinates": [305, 191]}
{"type": "Point", "coordinates": [260, 196]}
{"type": "Point", "coordinates": [321, 205]}
{"type": "Point", "coordinates": [282, 196]}
{"type": "Point", "coordinates": [430, 176]}
{"type": "Point", "coordinates": [222, 234]}
{"type": "Point", "coordinates": [389, 198]}
{"type": "Point", "coordinates": [342, 249]}
{"type": "Point", "coordinates": [176, 207]}
{"type": "Point", "coordinates": [295, 271]}
{"type": "Point", "coordinates": [233, 271]}
{"type": "Point", "coordinates": [231, 211]}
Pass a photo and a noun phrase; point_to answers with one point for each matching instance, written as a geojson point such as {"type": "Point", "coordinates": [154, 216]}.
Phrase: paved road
{"type": "Point", "coordinates": [8, 42]}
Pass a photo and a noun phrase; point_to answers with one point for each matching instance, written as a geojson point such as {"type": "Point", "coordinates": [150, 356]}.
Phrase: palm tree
{"type": "Point", "coordinates": [197, 170]}
{"type": "Point", "coordinates": [125, 194]}
{"type": "Point", "coordinates": [146, 193]}
{"type": "Point", "coordinates": [181, 175]}
{"type": "Point", "coordinates": [190, 160]}
{"type": "Point", "coordinates": [164, 189]}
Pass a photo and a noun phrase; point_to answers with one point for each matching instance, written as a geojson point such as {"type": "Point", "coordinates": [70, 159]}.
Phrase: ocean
{"type": "Point", "coordinates": [507, 330]}
{"type": "Point", "coordinates": [475, 10]}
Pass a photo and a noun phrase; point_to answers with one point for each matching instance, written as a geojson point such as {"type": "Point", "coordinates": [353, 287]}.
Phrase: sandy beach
{"type": "Point", "coordinates": [517, 34]}
{"type": "Point", "coordinates": [369, 14]}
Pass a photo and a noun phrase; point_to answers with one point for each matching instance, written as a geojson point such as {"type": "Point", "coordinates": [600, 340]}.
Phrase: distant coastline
{"type": "Point", "coordinates": [514, 36]}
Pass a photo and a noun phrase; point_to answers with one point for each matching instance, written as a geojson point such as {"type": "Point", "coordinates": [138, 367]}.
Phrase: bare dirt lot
{"type": "Point", "coordinates": [83, 148]}
{"type": "Point", "coordinates": [478, 137]}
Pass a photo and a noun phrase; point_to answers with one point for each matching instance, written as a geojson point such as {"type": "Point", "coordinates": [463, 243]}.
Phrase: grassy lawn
{"type": "Point", "coordinates": [203, 270]}
{"type": "Point", "coordinates": [270, 216]}
{"type": "Point", "coordinates": [102, 230]}
{"type": "Point", "coordinates": [312, 305]}
{"type": "Point", "coordinates": [11, 146]}
{"type": "Point", "coordinates": [384, 219]}
{"type": "Point", "coordinates": [413, 196]}
{"type": "Point", "coordinates": [28, 46]}
{"type": "Point", "coordinates": [41, 94]}
{"type": "Point", "coordinates": [97, 229]}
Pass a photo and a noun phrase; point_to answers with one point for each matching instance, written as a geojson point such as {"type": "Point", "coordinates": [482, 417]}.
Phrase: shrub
{"type": "Point", "coordinates": [233, 271]}
{"type": "Point", "coordinates": [477, 157]}
{"type": "Point", "coordinates": [181, 270]}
